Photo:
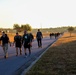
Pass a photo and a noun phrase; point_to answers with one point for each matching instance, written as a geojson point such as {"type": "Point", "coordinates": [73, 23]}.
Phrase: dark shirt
{"type": "Point", "coordinates": [31, 36]}
{"type": "Point", "coordinates": [26, 39]}
{"type": "Point", "coordinates": [39, 35]}
{"type": "Point", "coordinates": [4, 39]}
{"type": "Point", "coordinates": [18, 39]}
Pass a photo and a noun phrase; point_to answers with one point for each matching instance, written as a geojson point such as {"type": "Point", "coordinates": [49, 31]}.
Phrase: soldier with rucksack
{"type": "Point", "coordinates": [26, 42]}
{"type": "Point", "coordinates": [5, 40]}
{"type": "Point", "coordinates": [18, 43]}
{"type": "Point", "coordinates": [39, 37]}
{"type": "Point", "coordinates": [32, 38]}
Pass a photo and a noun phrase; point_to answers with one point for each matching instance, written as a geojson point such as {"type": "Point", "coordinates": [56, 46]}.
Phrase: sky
{"type": "Point", "coordinates": [38, 13]}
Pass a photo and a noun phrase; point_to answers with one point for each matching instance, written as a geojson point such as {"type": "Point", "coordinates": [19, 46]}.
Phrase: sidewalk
{"type": "Point", "coordinates": [15, 65]}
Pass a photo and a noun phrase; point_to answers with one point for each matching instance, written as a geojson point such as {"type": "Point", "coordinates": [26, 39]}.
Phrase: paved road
{"type": "Point", "coordinates": [14, 65]}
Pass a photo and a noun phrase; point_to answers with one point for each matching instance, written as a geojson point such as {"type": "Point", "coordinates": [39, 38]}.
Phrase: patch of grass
{"type": "Point", "coordinates": [60, 59]}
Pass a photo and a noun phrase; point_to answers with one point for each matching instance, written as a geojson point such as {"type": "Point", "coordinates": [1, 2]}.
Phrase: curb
{"type": "Point", "coordinates": [26, 70]}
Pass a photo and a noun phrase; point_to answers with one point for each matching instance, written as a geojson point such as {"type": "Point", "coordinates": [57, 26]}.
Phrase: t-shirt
{"type": "Point", "coordinates": [26, 39]}
{"type": "Point", "coordinates": [5, 39]}
{"type": "Point", "coordinates": [39, 35]}
{"type": "Point", "coordinates": [18, 39]}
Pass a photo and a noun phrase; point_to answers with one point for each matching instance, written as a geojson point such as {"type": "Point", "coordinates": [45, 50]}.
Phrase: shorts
{"type": "Point", "coordinates": [26, 45]}
{"type": "Point", "coordinates": [5, 46]}
{"type": "Point", "coordinates": [18, 45]}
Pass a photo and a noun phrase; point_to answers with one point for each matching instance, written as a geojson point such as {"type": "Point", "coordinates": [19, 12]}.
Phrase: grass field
{"type": "Point", "coordinates": [60, 59]}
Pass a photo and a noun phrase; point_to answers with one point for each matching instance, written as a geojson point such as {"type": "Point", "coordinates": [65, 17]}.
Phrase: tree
{"type": "Point", "coordinates": [70, 30]}
{"type": "Point", "coordinates": [16, 27]}
{"type": "Point", "coordinates": [23, 27]}
{"type": "Point", "coordinates": [29, 28]}
{"type": "Point", "coordinates": [26, 27]}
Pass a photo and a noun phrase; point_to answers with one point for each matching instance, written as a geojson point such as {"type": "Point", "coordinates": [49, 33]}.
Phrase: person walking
{"type": "Point", "coordinates": [5, 40]}
{"type": "Point", "coordinates": [39, 37]}
{"type": "Point", "coordinates": [18, 43]}
{"type": "Point", "coordinates": [32, 38]}
{"type": "Point", "coordinates": [26, 42]}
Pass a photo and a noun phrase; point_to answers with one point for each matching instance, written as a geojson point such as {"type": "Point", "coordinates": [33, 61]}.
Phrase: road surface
{"type": "Point", "coordinates": [14, 65]}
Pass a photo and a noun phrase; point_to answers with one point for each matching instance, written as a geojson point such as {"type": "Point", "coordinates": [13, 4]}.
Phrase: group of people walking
{"type": "Point", "coordinates": [54, 35]}
{"type": "Point", "coordinates": [25, 40]}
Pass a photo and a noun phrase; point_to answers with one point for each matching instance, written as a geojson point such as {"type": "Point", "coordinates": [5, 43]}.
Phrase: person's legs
{"type": "Point", "coordinates": [5, 49]}
{"type": "Point", "coordinates": [25, 46]}
{"type": "Point", "coordinates": [38, 42]}
{"type": "Point", "coordinates": [29, 50]}
{"type": "Point", "coordinates": [20, 48]}
{"type": "Point", "coordinates": [25, 51]}
{"type": "Point", "coordinates": [16, 51]}
{"type": "Point", "coordinates": [20, 51]}
{"type": "Point", "coordinates": [17, 46]}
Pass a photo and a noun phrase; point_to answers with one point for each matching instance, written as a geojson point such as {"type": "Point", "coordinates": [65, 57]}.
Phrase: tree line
{"type": "Point", "coordinates": [19, 28]}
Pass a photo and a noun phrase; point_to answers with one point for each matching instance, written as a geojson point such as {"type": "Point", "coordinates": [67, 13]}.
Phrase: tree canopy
{"type": "Point", "coordinates": [22, 27]}
{"type": "Point", "coordinates": [70, 30]}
